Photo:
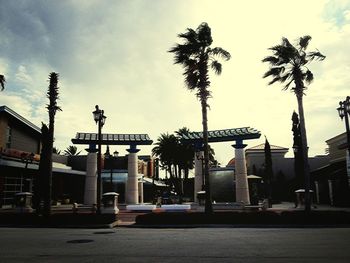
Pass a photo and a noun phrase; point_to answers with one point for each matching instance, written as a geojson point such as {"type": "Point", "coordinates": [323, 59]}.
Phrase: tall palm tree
{"type": "Point", "coordinates": [2, 82]}
{"type": "Point", "coordinates": [71, 150]}
{"type": "Point", "coordinates": [52, 107]}
{"type": "Point", "coordinates": [196, 56]}
{"type": "Point", "coordinates": [288, 64]}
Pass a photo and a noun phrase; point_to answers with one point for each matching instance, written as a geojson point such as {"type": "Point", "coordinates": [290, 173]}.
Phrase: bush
{"type": "Point", "coordinates": [293, 218]}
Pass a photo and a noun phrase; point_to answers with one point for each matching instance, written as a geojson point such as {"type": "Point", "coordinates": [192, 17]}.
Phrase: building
{"type": "Point", "coordinates": [20, 145]}
{"type": "Point", "coordinates": [283, 168]}
{"type": "Point", "coordinates": [332, 179]}
{"type": "Point", "coordinates": [18, 133]}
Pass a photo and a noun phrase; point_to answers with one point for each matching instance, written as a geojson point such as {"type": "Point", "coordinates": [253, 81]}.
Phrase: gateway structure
{"type": "Point", "coordinates": [236, 134]}
{"type": "Point", "coordinates": [133, 140]}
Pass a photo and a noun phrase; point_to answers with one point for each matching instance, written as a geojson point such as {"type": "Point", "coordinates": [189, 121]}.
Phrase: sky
{"type": "Point", "coordinates": [115, 54]}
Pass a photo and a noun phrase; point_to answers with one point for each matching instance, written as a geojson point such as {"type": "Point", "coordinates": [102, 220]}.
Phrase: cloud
{"type": "Point", "coordinates": [114, 54]}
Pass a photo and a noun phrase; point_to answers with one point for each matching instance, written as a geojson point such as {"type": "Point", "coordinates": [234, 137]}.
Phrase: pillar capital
{"type": "Point", "coordinates": [198, 146]}
{"type": "Point", "coordinates": [133, 149]}
{"type": "Point", "coordinates": [239, 145]}
{"type": "Point", "coordinates": [92, 148]}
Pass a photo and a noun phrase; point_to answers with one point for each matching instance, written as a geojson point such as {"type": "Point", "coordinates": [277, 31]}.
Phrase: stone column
{"type": "Point", "coordinates": [132, 191]}
{"type": "Point", "coordinates": [242, 189]}
{"type": "Point", "coordinates": [141, 190]}
{"type": "Point", "coordinates": [317, 190]}
{"type": "Point", "coordinates": [330, 187]}
{"type": "Point", "coordinates": [198, 173]}
{"type": "Point", "coordinates": [90, 193]}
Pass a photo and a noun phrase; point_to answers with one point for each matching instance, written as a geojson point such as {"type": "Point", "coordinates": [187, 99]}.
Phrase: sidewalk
{"type": "Point", "coordinates": [317, 207]}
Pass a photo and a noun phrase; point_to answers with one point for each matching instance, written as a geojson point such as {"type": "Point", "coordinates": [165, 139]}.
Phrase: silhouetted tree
{"type": "Point", "coordinates": [185, 153]}
{"type": "Point", "coordinates": [56, 150]}
{"type": "Point", "coordinates": [2, 82]}
{"type": "Point", "coordinates": [48, 138]}
{"type": "Point", "coordinates": [289, 64]}
{"type": "Point", "coordinates": [196, 56]}
{"type": "Point", "coordinates": [268, 173]}
{"type": "Point", "coordinates": [71, 150]}
{"type": "Point", "coordinates": [165, 150]}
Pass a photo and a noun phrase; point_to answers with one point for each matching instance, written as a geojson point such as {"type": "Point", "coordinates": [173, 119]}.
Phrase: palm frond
{"type": "Point", "coordinates": [273, 71]}
{"type": "Point", "coordinates": [316, 55]}
{"type": "Point", "coordinates": [190, 35]}
{"type": "Point", "coordinates": [204, 35]}
{"type": "Point", "coordinates": [304, 41]}
{"type": "Point", "coordinates": [191, 80]}
{"type": "Point", "coordinates": [271, 59]}
{"type": "Point", "coordinates": [288, 84]}
{"type": "Point", "coordinates": [309, 77]}
{"type": "Point", "coordinates": [218, 51]}
{"type": "Point", "coordinates": [275, 79]}
{"type": "Point", "coordinates": [216, 66]}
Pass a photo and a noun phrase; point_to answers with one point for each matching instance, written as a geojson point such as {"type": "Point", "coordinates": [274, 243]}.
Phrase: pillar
{"type": "Point", "coordinates": [198, 173]}
{"type": "Point", "coordinates": [132, 191]}
{"type": "Point", "coordinates": [141, 190]}
{"type": "Point", "coordinates": [242, 188]}
{"type": "Point", "coordinates": [317, 190]}
{"type": "Point", "coordinates": [90, 193]}
{"type": "Point", "coordinates": [330, 187]}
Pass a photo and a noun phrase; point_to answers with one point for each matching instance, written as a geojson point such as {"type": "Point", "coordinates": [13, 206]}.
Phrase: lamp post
{"type": "Point", "coordinates": [201, 158]}
{"type": "Point", "coordinates": [344, 112]}
{"type": "Point", "coordinates": [26, 158]}
{"type": "Point", "coordinates": [100, 119]}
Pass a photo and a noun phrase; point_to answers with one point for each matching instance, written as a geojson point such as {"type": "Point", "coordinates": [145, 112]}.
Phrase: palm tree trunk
{"type": "Point", "coordinates": [304, 153]}
{"type": "Point", "coordinates": [208, 203]}
{"type": "Point", "coordinates": [48, 197]}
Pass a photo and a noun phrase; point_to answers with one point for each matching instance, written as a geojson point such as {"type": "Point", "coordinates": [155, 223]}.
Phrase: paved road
{"type": "Point", "coordinates": [174, 245]}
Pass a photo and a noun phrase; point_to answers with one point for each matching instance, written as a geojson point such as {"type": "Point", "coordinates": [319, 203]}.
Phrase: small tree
{"type": "Point", "coordinates": [56, 150]}
{"type": "Point", "coordinates": [268, 174]}
{"type": "Point", "coordinates": [71, 151]}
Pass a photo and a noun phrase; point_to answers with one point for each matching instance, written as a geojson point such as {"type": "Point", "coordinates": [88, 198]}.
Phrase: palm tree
{"type": "Point", "coordinates": [2, 82]}
{"type": "Point", "coordinates": [288, 64]}
{"type": "Point", "coordinates": [166, 150]}
{"type": "Point", "coordinates": [52, 107]}
{"type": "Point", "coordinates": [185, 153]}
{"type": "Point", "coordinates": [196, 56]}
{"type": "Point", "coordinates": [71, 151]}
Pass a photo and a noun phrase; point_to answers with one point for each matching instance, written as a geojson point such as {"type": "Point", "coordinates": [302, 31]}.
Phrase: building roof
{"type": "Point", "coordinates": [7, 110]}
{"type": "Point", "coordinates": [261, 147]}
{"type": "Point", "coordinates": [234, 134]}
{"type": "Point", "coordinates": [112, 139]}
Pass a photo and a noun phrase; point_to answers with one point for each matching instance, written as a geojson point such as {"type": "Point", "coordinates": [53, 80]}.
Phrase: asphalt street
{"type": "Point", "coordinates": [175, 245]}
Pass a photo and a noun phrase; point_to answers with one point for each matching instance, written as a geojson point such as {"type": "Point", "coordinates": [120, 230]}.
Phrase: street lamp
{"type": "Point", "coordinates": [201, 158]}
{"type": "Point", "coordinates": [100, 119]}
{"type": "Point", "coordinates": [110, 157]}
{"type": "Point", "coordinates": [344, 112]}
{"type": "Point", "coordinates": [27, 158]}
